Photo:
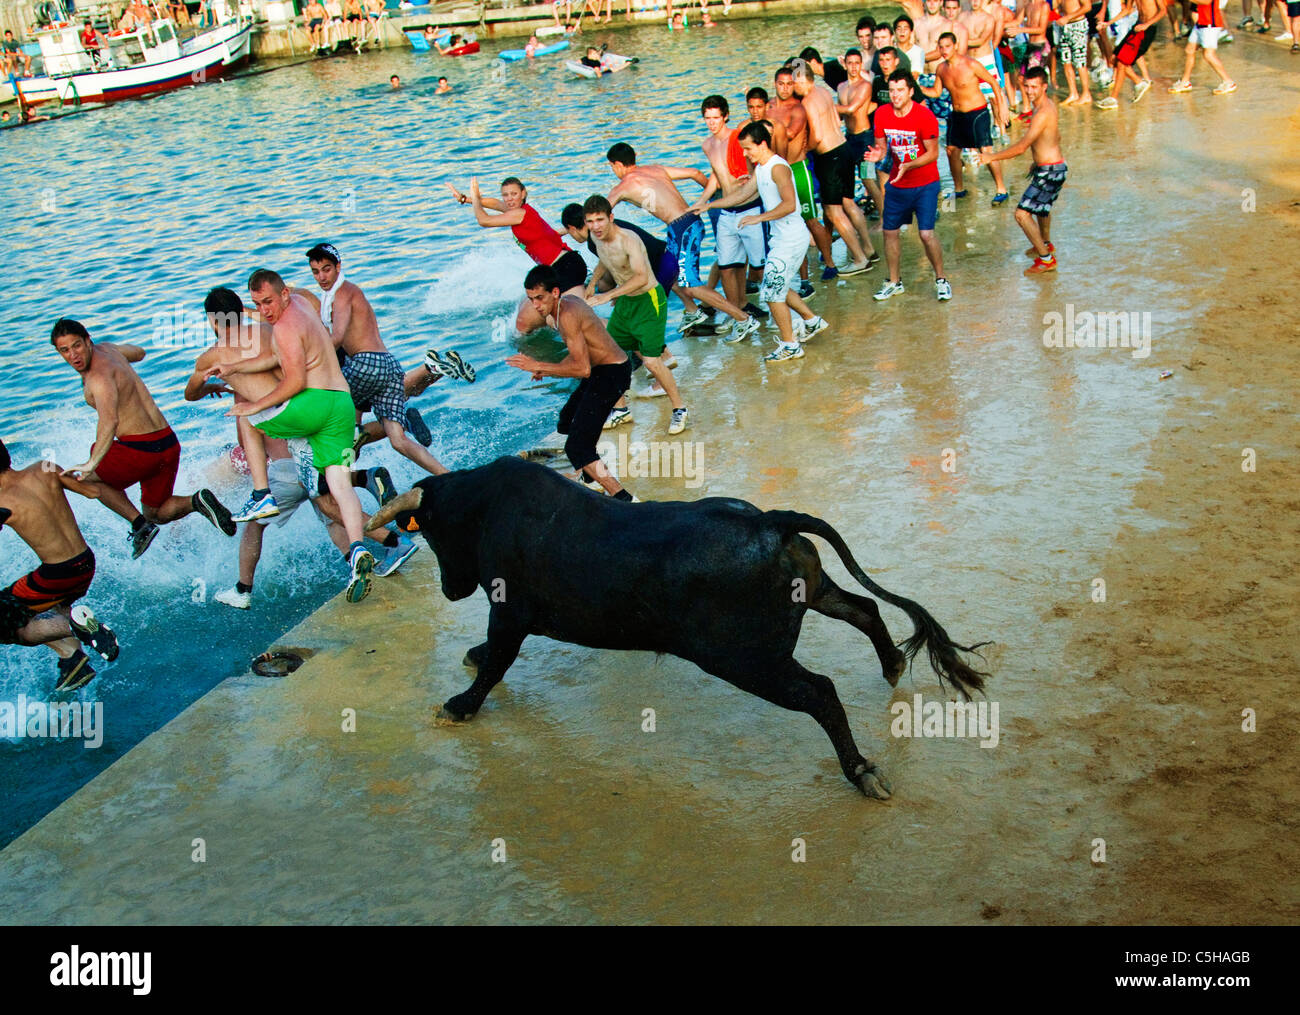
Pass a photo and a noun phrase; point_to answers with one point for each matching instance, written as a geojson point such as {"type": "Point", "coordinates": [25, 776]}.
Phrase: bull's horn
{"type": "Point", "coordinates": [408, 501]}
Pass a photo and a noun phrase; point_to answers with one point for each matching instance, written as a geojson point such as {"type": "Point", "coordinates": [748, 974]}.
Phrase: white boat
{"type": "Point", "coordinates": [150, 59]}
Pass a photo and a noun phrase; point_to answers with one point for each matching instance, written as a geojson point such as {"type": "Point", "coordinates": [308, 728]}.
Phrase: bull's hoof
{"type": "Point", "coordinates": [475, 657]}
{"type": "Point", "coordinates": [895, 669]}
{"type": "Point", "coordinates": [871, 780]}
{"type": "Point", "coordinates": [449, 714]}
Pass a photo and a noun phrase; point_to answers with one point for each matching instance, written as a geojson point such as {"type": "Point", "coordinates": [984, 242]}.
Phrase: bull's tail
{"type": "Point", "coordinates": [927, 631]}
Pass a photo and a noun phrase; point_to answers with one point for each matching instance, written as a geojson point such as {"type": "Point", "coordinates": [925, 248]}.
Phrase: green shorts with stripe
{"type": "Point", "coordinates": [803, 189]}
{"type": "Point", "coordinates": [638, 322]}
{"type": "Point", "coordinates": [326, 418]}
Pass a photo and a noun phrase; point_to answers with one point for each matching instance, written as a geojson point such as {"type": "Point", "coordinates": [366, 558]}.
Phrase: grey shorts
{"type": "Point", "coordinates": [284, 476]}
{"type": "Point", "coordinates": [375, 379]}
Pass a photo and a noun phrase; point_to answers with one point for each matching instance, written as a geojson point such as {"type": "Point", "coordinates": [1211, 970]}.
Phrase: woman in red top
{"type": "Point", "coordinates": [533, 234]}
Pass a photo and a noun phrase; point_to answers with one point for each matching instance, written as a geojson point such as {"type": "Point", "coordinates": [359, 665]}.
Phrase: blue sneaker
{"type": "Point", "coordinates": [362, 563]}
{"type": "Point", "coordinates": [396, 557]}
{"type": "Point", "coordinates": [829, 272]}
{"type": "Point", "coordinates": [999, 199]}
{"type": "Point", "coordinates": [257, 507]}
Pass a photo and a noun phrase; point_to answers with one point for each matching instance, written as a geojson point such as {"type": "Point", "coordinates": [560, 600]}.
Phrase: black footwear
{"type": "Point", "coordinates": [141, 537]}
{"type": "Point", "coordinates": [755, 311]}
{"type": "Point", "coordinates": [449, 364]}
{"type": "Point", "coordinates": [205, 503]}
{"type": "Point", "coordinates": [90, 631]}
{"type": "Point", "coordinates": [74, 672]}
{"type": "Point", "coordinates": [751, 288]}
{"type": "Point", "coordinates": [417, 428]}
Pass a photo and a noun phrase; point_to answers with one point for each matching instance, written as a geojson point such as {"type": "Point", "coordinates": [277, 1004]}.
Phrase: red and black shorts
{"type": "Point", "coordinates": [1134, 46]}
{"type": "Point", "coordinates": [150, 459]}
{"type": "Point", "coordinates": [50, 585]}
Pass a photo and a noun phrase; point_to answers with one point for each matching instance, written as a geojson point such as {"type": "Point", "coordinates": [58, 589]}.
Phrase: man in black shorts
{"type": "Point", "coordinates": [605, 371]}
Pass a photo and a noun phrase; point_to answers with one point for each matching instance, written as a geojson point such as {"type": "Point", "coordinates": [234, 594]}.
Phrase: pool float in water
{"type": "Point", "coordinates": [610, 63]}
{"type": "Point", "coordinates": [464, 49]}
{"type": "Point", "coordinates": [519, 54]}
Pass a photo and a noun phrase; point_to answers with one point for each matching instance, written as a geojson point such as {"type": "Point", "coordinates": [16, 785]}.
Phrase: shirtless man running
{"type": "Point", "coordinates": [787, 111]}
{"type": "Point", "coordinates": [605, 370]}
{"type": "Point", "coordinates": [373, 374]}
{"type": "Point", "coordinates": [834, 170]}
{"type": "Point", "coordinates": [1034, 212]}
{"type": "Point", "coordinates": [640, 304]}
{"type": "Point", "coordinates": [133, 443]}
{"type": "Point", "coordinates": [969, 125]}
{"type": "Point", "coordinates": [311, 400]}
{"type": "Point", "coordinates": [654, 189]}
{"type": "Point", "coordinates": [37, 609]}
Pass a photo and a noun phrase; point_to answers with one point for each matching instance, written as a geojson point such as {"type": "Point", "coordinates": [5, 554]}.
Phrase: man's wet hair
{"type": "Point", "coordinates": [67, 326]}
{"type": "Point", "coordinates": [902, 75]}
{"type": "Point", "coordinates": [265, 276]}
{"type": "Point", "coordinates": [756, 93]}
{"type": "Point", "coordinates": [597, 204]}
{"type": "Point", "coordinates": [715, 102]}
{"type": "Point", "coordinates": [948, 35]}
{"type": "Point", "coordinates": [756, 132]}
{"type": "Point", "coordinates": [621, 152]}
{"type": "Point", "coordinates": [542, 276]}
{"type": "Point", "coordinates": [866, 21]}
{"type": "Point", "coordinates": [513, 181]}
{"type": "Point", "coordinates": [1034, 73]}
{"type": "Point", "coordinates": [223, 301]}
{"type": "Point", "coordinates": [808, 53]}
{"type": "Point", "coordinates": [4, 457]}
{"type": "Point", "coordinates": [904, 18]}
{"type": "Point", "coordinates": [324, 252]}
{"type": "Point", "coordinates": [571, 217]}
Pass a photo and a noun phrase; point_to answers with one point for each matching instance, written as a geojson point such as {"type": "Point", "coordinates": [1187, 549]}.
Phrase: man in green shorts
{"type": "Point", "coordinates": [640, 304]}
{"type": "Point", "coordinates": [312, 401]}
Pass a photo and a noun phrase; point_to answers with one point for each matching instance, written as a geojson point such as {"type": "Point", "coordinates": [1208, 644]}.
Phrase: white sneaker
{"type": "Point", "coordinates": [656, 390]}
{"type": "Point", "coordinates": [678, 423]}
{"type": "Point", "coordinates": [814, 327]}
{"type": "Point", "coordinates": [233, 597]}
{"type": "Point", "coordinates": [691, 319]}
{"type": "Point", "coordinates": [742, 331]}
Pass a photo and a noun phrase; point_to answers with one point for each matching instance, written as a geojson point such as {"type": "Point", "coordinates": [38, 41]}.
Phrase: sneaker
{"type": "Point", "coordinates": [617, 418]}
{"type": "Point", "coordinates": [234, 598]}
{"type": "Point", "coordinates": [90, 631]}
{"type": "Point", "coordinates": [74, 672]}
{"type": "Point", "coordinates": [205, 503]}
{"type": "Point", "coordinates": [691, 319]}
{"type": "Point", "coordinates": [1226, 88]}
{"type": "Point", "coordinates": [255, 508]}
{"type": "Point", "coordinates": [755, 311]}
{"type": "Point", "coordinates": [1180, 86]}
{"type": "Point", "coordinates": [942, 289]}
{"type": "Point", "coordinates": [379, 484]}
{"type": "Point", "coordinates": [678, 423]}
{"type": "Point", "coordinates": [830, 272]}
{"type": "Point", "coordinates": [1142, 88]}
{"type": "Point", "coordinates": [669, 360]}
{"type": "Point", "coordinates": [449, 364]}
{"type": "Point", "coordinates": [887, 290]}
{"type": "Point", "coordinates": [742, 330]}
{"type": "Point", "coordinates": [1109, 102]}
{"type": "Point", "coordinates": [417, 428]}
{"type": "Point", "coordinates": [806, 289]}
{"type": "Point", "coordinates": [1039, 266]}
{"type": "Point", "coordinates": [798, 329]}
{"type": "Point", "coordinates": [141, 538]}
{"type": "Point", "coordinates": [1296, 48]}
{"type": "Point", "coordinates": [396, 557]}
{"type": "Point", "coordinates": [1246, 22]}
{"type": "Point", "coordinates": [813, 328]}
{"type": "Point", "coordinates": [1264, 29]}
{"type": "Point", "coordinates": [784, 352]}
{"type": "Point", "coordinates": [362, 562]}
{"type": "Point", "coordinates": [959, 193]}
{"type": "Point", "coordinates": [855, 268]}
{"type": "Point", "coordinates": [1284, 37]}
{"type": "Point", "coordinates": [656, 390]}
{"type": "Point", "coordinates": [1031, 252]}
{"type": "Point", "coordinates": [1001, 199]}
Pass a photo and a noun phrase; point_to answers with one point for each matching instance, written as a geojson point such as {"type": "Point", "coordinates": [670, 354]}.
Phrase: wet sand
{"type": "Point", "coordinates": [1119, 720]}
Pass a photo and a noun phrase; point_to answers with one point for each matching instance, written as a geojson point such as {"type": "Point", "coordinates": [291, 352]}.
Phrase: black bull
{"type": "Point", "coordinates": [716, 581]}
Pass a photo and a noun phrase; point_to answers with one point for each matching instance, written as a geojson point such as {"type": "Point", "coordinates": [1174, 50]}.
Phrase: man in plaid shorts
{"type": "Point", "coordinates": [373, 374]}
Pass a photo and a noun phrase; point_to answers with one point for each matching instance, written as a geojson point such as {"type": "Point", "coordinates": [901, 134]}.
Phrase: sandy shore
{"type": "Point", "coordinates": [1120, 720]}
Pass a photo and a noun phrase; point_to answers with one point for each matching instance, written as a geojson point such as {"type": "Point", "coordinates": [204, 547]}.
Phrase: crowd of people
{"type": "Point", "coordinates": [779, 188]}
{"type": "Point", "coordinates": [303, 368]}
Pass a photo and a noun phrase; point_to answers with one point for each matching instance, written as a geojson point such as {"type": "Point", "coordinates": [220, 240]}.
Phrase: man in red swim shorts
{"type": "Point", "coordinates": [133, 443]}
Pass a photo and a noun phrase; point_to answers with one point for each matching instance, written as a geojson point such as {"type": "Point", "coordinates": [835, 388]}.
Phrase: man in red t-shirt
{"type": "Point", "coordinates": [910, 132]}
{"type": "Point", "coordinates": [1210, 28]}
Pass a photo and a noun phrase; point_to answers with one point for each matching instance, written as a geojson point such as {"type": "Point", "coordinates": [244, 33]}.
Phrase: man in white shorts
{"type": "Point", "coordinates": [1210, 29]}
{"type": "Point", "coordinates": [773, 183]}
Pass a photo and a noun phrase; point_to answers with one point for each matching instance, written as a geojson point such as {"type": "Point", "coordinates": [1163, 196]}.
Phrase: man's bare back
{"type": "Point", "coordinates": [824, 130]}
{"type": "Point", "coordinates": [355, 329]}
{"type": "Point", "coordinates": [579, 327]}
{"type": "Point", "coordinates": [651, 189]}
{"type": "Point", "coordinates": [299, 326]}
{"type": "Point", "coordinates": [40, 513]}
{"type": "Point", "coordinates": [110, 373]}
{"type": "Point", "coordinates": [255, 342]}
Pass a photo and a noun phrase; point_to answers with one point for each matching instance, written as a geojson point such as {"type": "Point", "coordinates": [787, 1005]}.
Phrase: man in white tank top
{"type": "Point", "coordinates": [773, 182]}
